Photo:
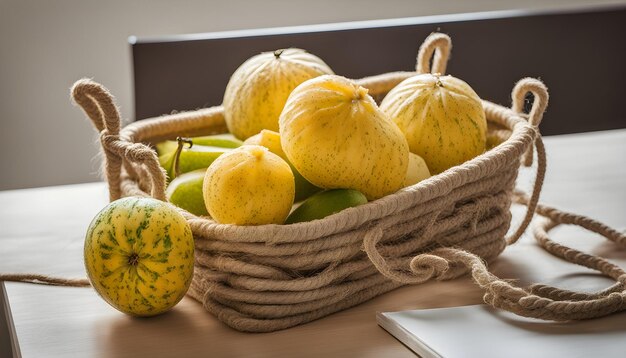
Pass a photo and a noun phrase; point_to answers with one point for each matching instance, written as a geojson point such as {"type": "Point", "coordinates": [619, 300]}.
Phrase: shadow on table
{"type": "Point", "coordinates": [610, 324]}
{"type": "Point", "coordinates": [179, 332]}
{"type": "Point", "coordinates": [190, 331]}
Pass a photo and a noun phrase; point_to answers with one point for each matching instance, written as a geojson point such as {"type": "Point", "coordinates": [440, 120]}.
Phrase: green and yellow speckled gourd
{"type": "Point", "coordinates": [258, 90]}
{"type": "Point", "coordinates": [139, 255]}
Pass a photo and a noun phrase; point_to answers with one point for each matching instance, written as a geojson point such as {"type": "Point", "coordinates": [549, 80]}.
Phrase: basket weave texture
{"type": "Point", "coordinates": [271, 277]}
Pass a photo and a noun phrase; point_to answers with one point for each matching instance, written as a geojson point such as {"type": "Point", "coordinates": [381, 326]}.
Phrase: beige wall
{"type": "Point", "coordinates": [46, 45]}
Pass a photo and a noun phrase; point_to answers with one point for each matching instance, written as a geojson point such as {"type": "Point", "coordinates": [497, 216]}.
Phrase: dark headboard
{"type": "Point", "coordinates": [581, 56]}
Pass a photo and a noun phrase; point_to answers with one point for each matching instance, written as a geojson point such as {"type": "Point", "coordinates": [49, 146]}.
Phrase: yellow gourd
{"type": "Point", "coordinates": [257, 91]}
{"type": "Point", "coordinates": [442, 118]}
{"type": "Point", "coordinates": [249, 186]}
{"type": "Point", "coordinates": [416, 171]}
{"type": "Point", "coordinates": [334, 134]}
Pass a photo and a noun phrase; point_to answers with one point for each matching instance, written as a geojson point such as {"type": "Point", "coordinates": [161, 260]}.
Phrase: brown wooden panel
{"type": "Point", "coordinates": [579, 55]}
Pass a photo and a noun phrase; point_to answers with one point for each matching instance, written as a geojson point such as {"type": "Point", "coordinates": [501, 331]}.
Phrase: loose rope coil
{"type": "Point", "coordinates": [272, 277]}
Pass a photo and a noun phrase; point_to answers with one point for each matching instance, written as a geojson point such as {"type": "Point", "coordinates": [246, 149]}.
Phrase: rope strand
{"type": "Point", "coordinates": [46, 280]}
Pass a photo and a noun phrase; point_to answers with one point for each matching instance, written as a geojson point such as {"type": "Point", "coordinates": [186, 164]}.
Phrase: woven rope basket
{"type": "Point", "coordinates": [271, 277]}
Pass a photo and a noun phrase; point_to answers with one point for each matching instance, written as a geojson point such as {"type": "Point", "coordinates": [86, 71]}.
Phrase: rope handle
{"type": "Point", "coordinates": [540, 103]}
{"type": "Point", "coordinates": [97, 103]}
{"type": "Point", "coordinates": [436, 46]}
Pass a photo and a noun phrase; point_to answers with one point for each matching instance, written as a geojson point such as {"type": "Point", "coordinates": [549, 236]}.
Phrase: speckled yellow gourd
{"type": "Point", "coordinates": [258, 89]}
{"type": "Point", "coordinates": [249, 186]}
{"type": "Point", "coordinates": [334, 134]}
{"type": "Point", "coordinates": [442, 118]}
{"type": "Point", "coordinates": [139, 255]}
{"type": "Point", "coordinates": [271, 140]}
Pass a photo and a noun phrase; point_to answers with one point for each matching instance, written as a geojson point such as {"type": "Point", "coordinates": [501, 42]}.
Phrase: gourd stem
{"type": "Point", "coordinates": [181, 142]}
{"type": "Point", "coordinates": [438, 82]}
{"type": "Point", "coordinates": [133, 259]}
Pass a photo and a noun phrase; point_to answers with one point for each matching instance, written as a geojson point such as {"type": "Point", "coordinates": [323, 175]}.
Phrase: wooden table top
{"type": "Point", "coordinates": [42, 230]}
